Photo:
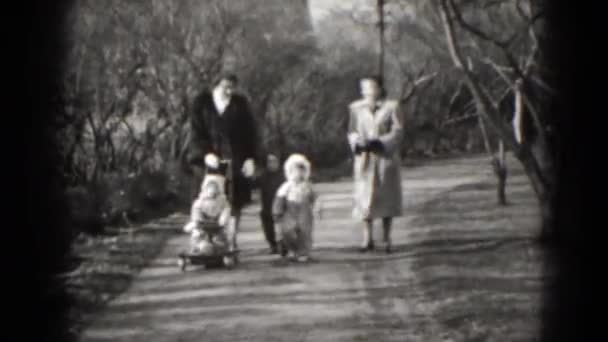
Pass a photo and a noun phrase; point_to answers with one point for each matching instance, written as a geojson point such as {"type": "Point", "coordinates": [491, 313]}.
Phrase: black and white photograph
{"type": "Point", "coordinates": [301, 170]}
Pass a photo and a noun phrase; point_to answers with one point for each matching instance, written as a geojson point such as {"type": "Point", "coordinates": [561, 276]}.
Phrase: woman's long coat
{"type": "Point", "coordinates": [231, 135]}
{"type": "Point", "coordinates": [377, 179]}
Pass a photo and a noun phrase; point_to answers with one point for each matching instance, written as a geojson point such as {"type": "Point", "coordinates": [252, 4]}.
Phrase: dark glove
{"type": "Point", "coordinates": [375, 146]}
{"type": "Point", "coordinates": [360, 149]}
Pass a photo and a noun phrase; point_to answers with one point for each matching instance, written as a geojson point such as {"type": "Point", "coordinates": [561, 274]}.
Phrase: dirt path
{"type": "Point", "coordinates": [464, 269]}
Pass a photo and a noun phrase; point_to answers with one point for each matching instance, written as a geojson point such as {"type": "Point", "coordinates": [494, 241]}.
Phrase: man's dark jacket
{"type": "Point", "coordinates": [230, 136]}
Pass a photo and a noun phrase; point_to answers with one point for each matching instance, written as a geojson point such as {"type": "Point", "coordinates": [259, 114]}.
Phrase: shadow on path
{"type": "Point", "coordinates": [458, 274]}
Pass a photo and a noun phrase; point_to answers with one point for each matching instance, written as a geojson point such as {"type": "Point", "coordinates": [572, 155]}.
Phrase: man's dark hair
{"type": "Point", "coordinates": [228, 76]}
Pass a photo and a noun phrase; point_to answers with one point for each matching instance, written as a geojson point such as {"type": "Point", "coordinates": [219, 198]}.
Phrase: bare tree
{"type": "Point", "coordinates": [132, 78]}
{"type": "Point", "coordinates": [521, 70]}
{"type": "Point", "coordinates": [98, 91]}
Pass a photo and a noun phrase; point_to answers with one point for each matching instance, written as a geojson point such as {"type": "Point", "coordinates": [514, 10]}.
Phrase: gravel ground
{"type": "Point", "coordinates": [463, 269]}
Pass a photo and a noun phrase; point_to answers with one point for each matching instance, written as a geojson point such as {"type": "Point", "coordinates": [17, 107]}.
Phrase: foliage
{"type": "Point", "coordinates": [136, 66]}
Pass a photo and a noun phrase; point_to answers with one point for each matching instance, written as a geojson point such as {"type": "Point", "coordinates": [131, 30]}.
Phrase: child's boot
{"type": "Point", "coordinates": [281, 248]}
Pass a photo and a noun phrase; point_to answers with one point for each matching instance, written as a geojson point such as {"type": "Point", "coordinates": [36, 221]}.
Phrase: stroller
{"type": "Point", "coordinates": [210, 216]}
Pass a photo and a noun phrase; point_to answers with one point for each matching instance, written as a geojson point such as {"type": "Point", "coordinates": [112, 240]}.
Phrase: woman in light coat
{"type": "Point", "coordinates": [374, 134]}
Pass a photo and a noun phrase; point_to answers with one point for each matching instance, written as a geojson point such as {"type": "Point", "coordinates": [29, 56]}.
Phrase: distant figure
{"type": "Point", "coordinates": [293, 210]}
{"type": "Point", "coordinates": [374, 135]}
{"type": "Point", "coordinates": [269, 182]}
{"type": "Point", "coordinates": [222, 125]}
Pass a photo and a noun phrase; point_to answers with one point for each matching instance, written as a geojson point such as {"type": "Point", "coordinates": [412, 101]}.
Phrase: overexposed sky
{"type": "Point", "coordinates": [321, 8]}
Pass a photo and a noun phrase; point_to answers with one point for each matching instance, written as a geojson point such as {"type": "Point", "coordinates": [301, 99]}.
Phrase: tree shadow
{"type": "Point", "coordinates": [509, 251]}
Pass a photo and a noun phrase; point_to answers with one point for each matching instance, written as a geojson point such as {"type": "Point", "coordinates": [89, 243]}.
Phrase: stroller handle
{"type": "Point", "coordinates": [229, 189]}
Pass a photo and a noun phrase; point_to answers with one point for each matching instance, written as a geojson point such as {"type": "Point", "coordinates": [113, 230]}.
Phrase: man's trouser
{"type": "Point", "coordinates": [268, 226]}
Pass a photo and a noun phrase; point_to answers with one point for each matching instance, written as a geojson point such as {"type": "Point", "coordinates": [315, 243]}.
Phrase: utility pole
{"type": "Point", "coordinates": [380, 8]}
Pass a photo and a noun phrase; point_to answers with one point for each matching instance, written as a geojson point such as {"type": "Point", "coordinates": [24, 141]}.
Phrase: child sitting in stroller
{"type": "Point", "coordinates": [293, 210]}
{"type": "Point", "coordinates": [209, 217]}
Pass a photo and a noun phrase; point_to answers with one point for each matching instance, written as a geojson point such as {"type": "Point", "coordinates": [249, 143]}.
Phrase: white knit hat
{"type": "Point", "coordinates": [294, 160]}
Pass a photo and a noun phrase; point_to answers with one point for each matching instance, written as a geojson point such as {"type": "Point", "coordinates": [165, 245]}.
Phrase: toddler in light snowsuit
{"type": "Point", "coordinates": [293, 209]}
{"type": "Point", "coordinates": [210, 207]}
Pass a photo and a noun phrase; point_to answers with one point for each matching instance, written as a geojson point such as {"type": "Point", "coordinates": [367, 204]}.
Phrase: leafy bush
{"type": "Point", "coordinates": [84, 215]}
{"type": "Point", "coordinates": [121, 199]}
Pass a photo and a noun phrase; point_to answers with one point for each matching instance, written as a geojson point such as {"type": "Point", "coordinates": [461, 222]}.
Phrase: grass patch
{"type": "Point", "coordinates": [492, 292]}
{"type": "Point", "coordinates": [107, 266]}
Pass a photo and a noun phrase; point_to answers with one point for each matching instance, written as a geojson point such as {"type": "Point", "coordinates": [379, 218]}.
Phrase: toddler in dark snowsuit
{"type": "Point", "coordinates": [269, 181]}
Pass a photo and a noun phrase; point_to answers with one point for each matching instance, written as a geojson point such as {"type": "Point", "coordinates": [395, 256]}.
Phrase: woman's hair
{"type": "Point", "coordinates": [377, 79]}
{"type": "Point", "coordinates": [227, 76]}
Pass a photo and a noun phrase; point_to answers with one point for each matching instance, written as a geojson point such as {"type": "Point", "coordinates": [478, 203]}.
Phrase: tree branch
{"type": "Point", "coordinates": [502, 45]}
{"type": "Point", "coordinates": [516, 86]}
{"type": "Point", "coordinates": [405, 97]}
{"type": "Point", "coordinates": [477, 32]}
{"type": "Point", "coordinates": [454, 97]}
{"type": "Point", "coordinates": [542, 84]}
{"type": "Point", "coordinates": [493, 3]}
{"type": "Point", "coordinates": [518, 115]}
{"type": "Point", "coordinates": [485, 106]}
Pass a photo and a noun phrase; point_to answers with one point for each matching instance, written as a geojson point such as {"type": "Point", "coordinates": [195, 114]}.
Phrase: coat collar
{"type": "Point", "coordinates": [383, 109]}
{"type": "Point", "coordinates": [210, 103]}
{"type": "Point", "coordinates": [219, 100]}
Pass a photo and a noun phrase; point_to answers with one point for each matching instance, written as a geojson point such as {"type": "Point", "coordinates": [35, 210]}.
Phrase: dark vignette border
{"type": "Point", "coordinates": [42, 248]}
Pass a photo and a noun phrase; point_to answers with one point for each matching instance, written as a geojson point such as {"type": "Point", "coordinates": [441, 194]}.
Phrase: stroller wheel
{"type": "Point", "coordinates": [181, 263]}
{"type": "Point", "coordinates": [229, 261]}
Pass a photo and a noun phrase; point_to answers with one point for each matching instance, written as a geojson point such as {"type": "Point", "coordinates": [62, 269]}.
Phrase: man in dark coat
{"type": "Point", "coordinates": [269, 182]}
{"type": "Point", "coordinates": [222, 124]}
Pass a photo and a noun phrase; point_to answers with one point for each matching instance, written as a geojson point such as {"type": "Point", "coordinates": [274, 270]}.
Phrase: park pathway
{"type": "Point", "coordinates": [463, 269]}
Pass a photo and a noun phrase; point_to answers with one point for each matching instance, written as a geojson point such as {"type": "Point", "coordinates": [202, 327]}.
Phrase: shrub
{"type": "Point", "coordinates": [122, 199]}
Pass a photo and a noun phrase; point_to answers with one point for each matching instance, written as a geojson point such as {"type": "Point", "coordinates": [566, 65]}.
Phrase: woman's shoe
{"type": "Point", "coordinates": [369, 247]}
{"type": "Point", "coordinates": [388, 249]}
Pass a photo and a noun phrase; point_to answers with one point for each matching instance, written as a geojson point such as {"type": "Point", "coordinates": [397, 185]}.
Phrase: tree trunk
{"type": "Point", "coordinates": [499, 164]}
{"type": "Point", "coordinates": [543, 184]}
{"type": "Point", "coordinates": [542, 189]}
{"type": "Point", "coordinates": [547, 218]}
{"type": "Point", "coordinates": [501, 174]}
{"type": "Point", "coordinates": [380, 9]}
{"type": "Point", "coordinates": [500, 170]}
